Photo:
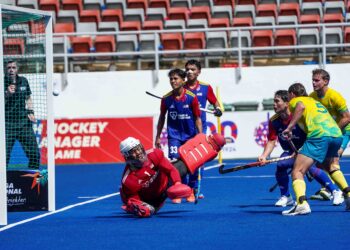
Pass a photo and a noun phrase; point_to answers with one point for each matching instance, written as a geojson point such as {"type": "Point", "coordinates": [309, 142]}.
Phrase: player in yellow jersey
{"type": "Point", "coordinates": [336, 106]}
{"type": "Point", "coordinates": [323, 140]}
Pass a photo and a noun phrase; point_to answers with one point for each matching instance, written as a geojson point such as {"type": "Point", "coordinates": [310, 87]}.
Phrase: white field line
{"type": "Point", "coordinates": [57, 211]}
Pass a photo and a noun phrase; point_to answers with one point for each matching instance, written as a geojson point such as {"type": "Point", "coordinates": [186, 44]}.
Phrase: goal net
{"type": "Point", "coordinates": [27, 137]}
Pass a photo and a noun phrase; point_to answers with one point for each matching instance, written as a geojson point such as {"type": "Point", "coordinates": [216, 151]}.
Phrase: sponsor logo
{"type": "Point", "coordinates": [173, 115]}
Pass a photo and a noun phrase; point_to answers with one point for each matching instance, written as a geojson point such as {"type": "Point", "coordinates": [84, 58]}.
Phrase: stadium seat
{"type": "Point", "coordinates": [334, 35]}
{"type": "Point", "coordinates": [333, 18]}
{"type": "Point", "coordinates": [159, 4]}
{"type": "Point", "coordinates": [115, 4]}
{"type": "Point", "coordinates": [242, 22]}
{"type": "Point", "coordinates": [285, 37]}
{"type": "Point", "coordinates": [171, 41]}
{"type": "Point", "coordinates": [94, 4]}
{"type": "Point", "coordinates": [72, 5]}
{"type": "Point", "coordinates": [181, 3]}
{"type": "Point", "coordinates": [264, 21]}
{"type": "Point", "coordinates": [178, 13]}
{"type": "Point", "coordinates": [334, 7]}
{"type": "Point", "coordinates": [208, 3]}
{"type": "Point", "coordinates": [175, 24]}
{"type": "Point", "coordinates": [199, 12]}
{"type": "Point", "coordinates": [86, 27]}
{"type": "Point", "coordinates": [216, 40]}
{"type": "Point", "coordinates": [267, 10]}
{"type": "Point", "coordinates": [138, 4]}
{"type": "Point", "coordinates": [347, 37]}
{"type": "Point", "coordinates": [308, 36]}
{"type": "Point", "coordinates": [34, 46]}
{"type": "Point", "coordinates": [152, 25]}
{"type": "Point", "coordinates": [224, 11]}
{"type": "Point", "coordinates": [194, 40]}
{"type": "Point", "coordinates": [88, 16]}
{"type": "Point", "coordinates": [247, 2]}
{"type": "Point", "coordinates": [225, 2]}
{"type": "Point", "coordinates": [108, 26]}
{"type": "Point", "coordinates": [49, 5]}
{"type": "Point", "coordinates": [307, 19]}
{"type": "Point", "coordinates": [130, 26]}
{"type": "Point", "coordinates": [287, 20]}
{"type": "Point", "coordinates": [219, 22]}
{"type": "Point", "coordinates": [112, 15]}
{"type": "Point", "coordinates": [58, 44]}
{"type": "Point", "coordinates": [347, 17]}
{"type": "Point", "coordinates": [244, 11]}
{"type": "Point", "coordinates": [9, 2]}
{"type": "Point", "coordinates": [22, 29]}
{"type": "Point", "coordinates": [156, 14]}
{"type": "Point", "coordinates": [197, 23]}
{"type": "Point", "coordinates": [32, 4]}
{"type": "Point", "coordinates": [147, 43]}
{"type": "Point", "coordinates": [81, 44]}
{"type": "Point", "coordinates": [63, 28]}
{"type": "Point", "coordinates": [68, 16]}
{"type": "Point", "coordinates": [312, 8]}
{"type": "Point", "coordinates": [105, 44]}
{"type": "Point", "coordinates": [134, 15]}
{"type": "Point", "coordinates": [289, 9]}
{"type": "Point", "coordinates": [246, 40]}
{"type": "Point", "coordinates": [126, 43]}
{"type": "Point", "coordinates": [13, 46]}
{"type": "Point", "coordinates": [36, 27]}
{"type": "Point", "coordinates": [348, 7]}
{"type": "Point", "coordinates": [262, 38]}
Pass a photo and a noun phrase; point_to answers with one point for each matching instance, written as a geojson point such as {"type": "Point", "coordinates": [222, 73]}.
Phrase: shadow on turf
{"type": "Point", "coordinates": [165, 214]}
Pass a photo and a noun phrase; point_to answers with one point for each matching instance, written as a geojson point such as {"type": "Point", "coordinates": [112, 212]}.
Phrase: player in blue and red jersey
{"type": "Point", "coordinates": [204, 93]}
{"type": "Point", "coordinates": [183, 115]}
{"type": "Point", "coordinates": [277, 124]}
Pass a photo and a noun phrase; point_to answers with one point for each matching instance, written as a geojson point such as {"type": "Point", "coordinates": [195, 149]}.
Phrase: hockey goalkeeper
{"type": "Point", "coordinates": [149, 177]}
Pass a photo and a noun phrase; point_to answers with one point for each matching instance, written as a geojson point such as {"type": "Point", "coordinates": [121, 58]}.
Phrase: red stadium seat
{"type": "Point", "coordinates": [242, 22]}
{"type": "Point", "coordinates": [333, 18]}
{"type": "Point", "coordinates": [307, 19]}
{"type": "Point", "coordinates": [159, 4]}
{"type": "Point", "coordinates": [246, 2]}
{"type": "Point", "coordinates": [225, 2]}
{"type": "Point", "coordinates": [348, 7]}
{"type": "Point", "coordinates": [105, 44]}
{"type": "Point", "coordinates": [262, 38]}
{"type": "Point", "coordinates": [137, 4]}
{"type": "Point", "coordinates": [63, 28]}
{"type": "Point", "coordinates": [219, 22]}
{"type": "Point", "coordinates": [81, 44]}
{"type": "Point", "coordinates": [152, 25]}
{"type": "Point", "coordinates": [89, 16]}
{"type": "Point", "coordinates": [194, 40]}
{"type": "Point", "coordinates": [130, 26]}
{"type": "Point", "coordinates": [171, 41]}
{"type": "Point", "coordinates": [178, 13]}
{"type": "Point", "coordinates": [285, 37]}
{"type": "Point", "coordinates": [72, 5]}
{"type": "Point", "coordinates": [49, 5]}
{"type": "Point", "coordinates": [112, 15]}
{"type": "Point", "coordinates": [267, 10]}
{"type": "Point", "coordinates": [36, 27]}
{"type": "Point", "coordinates": [289, 9]}
{"type": "Point", "coordinates": [199, 12]}
{"type": "Point", "coordinates": [13, 46]}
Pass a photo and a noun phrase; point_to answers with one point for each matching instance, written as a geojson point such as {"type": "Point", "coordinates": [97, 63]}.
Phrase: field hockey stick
{"type": "Point", "coordinates": [253, 164]}
{"type": "Point", "coordinates": [199, 186]}
{"type": "Point", "coordinates": [158, 97]}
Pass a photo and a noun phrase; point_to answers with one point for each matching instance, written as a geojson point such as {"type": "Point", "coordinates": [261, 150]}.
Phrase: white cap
{"type": "Point", "coordinates": [127, 144]}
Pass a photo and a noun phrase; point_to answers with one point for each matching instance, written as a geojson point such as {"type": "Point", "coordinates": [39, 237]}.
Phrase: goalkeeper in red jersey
{"type": "Point", "coordinates": [146, 179]}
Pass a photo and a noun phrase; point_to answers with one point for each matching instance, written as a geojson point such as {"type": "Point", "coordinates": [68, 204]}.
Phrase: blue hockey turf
{"type": "Point", "coordinates": [237, 213]}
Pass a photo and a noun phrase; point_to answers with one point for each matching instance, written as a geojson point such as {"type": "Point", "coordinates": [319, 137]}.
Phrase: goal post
{"type": "Point", "coordinates": [27, 165]}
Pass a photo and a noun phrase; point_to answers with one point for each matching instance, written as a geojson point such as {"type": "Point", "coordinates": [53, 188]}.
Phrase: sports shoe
{"type": "Point", "coordinates": [191, 198]}
{"type": "Point", "coordinates": [347, 203]}
{"type": "Point", "coordinates": [284, 201]}
{"type": "Point", "coordinates": [201, 196]}
{"type": "Point", "coordinates": [322, 195]}
{"type": "Point", "coordinates": [338, 198]}
{"type": "Point", "coordinates": [301, 209]}
{"type": "Point", "coordinates": [176, 201]}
